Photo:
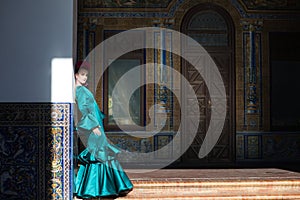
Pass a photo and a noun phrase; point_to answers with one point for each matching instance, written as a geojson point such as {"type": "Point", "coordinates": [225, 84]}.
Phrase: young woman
{"type": "Point", "coordinates": [99, 174]}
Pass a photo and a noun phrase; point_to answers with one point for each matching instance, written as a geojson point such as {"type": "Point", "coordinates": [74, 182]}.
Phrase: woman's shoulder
{"type": "Point", "coordinates": [82, 90]}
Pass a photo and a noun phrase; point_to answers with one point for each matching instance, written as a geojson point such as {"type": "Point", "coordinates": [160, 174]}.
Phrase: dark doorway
{"type": "Point", "coordinates": [285, 72]}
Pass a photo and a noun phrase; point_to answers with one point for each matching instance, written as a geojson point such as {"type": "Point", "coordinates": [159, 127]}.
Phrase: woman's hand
{"type": "Point", "coordinates": [97, 131]}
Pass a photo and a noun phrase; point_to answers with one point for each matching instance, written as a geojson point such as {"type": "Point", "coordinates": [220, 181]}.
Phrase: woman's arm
{"type": "Point", "coordinates": [89, 120]}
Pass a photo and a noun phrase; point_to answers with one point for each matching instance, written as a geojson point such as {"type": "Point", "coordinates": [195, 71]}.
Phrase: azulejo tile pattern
{"type": "Point", "coordinates": [174, 6]}
{"type": "Point", "coordinates": [35, 154]}
{"type": "Point", "coordinates": [124, 4]}
{"type": "Point", "coordinates": [268, 146]}
{"type": "Point", "coordinates": [142, 145]}
{"type": "Point", "coordinates": [271, 5]}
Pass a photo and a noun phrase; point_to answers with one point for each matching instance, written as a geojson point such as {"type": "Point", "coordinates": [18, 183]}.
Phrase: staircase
{"type": "Point", "coordinates": [217, 184]}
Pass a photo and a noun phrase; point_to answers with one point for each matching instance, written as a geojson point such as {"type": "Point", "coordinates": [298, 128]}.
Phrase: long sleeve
{"type": "Point", "coordinates": [98, 147]}
{"type": "Point", "coordinates": [86, 106]}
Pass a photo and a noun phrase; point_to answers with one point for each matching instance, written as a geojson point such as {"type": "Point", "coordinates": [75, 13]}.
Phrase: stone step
{"type": "Point", "coordinates": [211, 184]}
{"type": "Point", "coordinates": [197, 189]}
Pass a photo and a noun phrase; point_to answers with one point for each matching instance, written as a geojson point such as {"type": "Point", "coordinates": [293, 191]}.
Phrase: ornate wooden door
{"type": "Point", "coordinates": [212, 27]}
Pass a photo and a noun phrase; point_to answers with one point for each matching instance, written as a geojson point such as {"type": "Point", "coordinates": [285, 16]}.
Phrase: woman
{"type": "Point", "coordinates": [99, 174]}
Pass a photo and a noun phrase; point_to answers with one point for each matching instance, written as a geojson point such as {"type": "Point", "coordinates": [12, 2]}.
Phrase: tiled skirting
{"type": "Point", "coordinates": [35, 154]}
{"type": "Point", "coordinates": [268, 146]}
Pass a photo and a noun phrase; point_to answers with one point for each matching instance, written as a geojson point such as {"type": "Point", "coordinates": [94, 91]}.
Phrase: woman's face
{"type": "Point", "coordinates": [82, 76]}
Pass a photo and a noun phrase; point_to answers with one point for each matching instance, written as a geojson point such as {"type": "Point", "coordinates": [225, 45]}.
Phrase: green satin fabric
{"type": "Point", "coordinates": [99, 174]}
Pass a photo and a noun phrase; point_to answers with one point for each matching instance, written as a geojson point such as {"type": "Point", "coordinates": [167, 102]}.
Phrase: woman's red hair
{"type": "Point", "coordinates": [82, 64]}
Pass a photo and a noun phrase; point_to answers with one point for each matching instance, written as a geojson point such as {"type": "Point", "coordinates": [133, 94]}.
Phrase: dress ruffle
{"type": "Point", "coordinates": [98, 150]}
{"type": "Point", "coordinates": [102, 179]}
{"type": "Point", "coordinates": [100, 173]}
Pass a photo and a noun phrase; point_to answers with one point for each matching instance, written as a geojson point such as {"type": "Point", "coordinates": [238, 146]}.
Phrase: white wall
{"type": "Point", "coordinates": [32, 33]}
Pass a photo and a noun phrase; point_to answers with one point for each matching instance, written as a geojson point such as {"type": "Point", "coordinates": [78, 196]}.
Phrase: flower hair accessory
{"type": "Point", "coordinates": [83, 64]}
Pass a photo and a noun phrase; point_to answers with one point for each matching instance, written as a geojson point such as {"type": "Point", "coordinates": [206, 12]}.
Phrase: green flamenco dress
{"type": "Point", "coordinates": [99, 174]}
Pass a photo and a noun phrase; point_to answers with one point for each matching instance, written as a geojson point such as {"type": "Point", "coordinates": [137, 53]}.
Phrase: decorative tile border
{"type": "Point", "coordinates": [132, 14]}
{"type": "Point", "coordinates": [258, 14]}
{"type": "Point", "coordinates": [162, 75]}
{"type": "Point", "coordinates": [124, 4]}
{"type": "Point", "coordinates": [35, 150]}
{"type": "Point", "coordinates": [252, 64]}
{"type": "Point", "coordinates": [142, 145]}
{"type": "Point", "coordinates": [176, 5]}
{"type": "Point", "coordinates": [268, 146]}
{"type": "Point", "coordinates": [275, 5]}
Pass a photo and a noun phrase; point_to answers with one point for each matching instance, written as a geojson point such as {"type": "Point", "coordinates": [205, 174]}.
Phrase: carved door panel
{"type": "Point", "coordinates": [217, 39]}
{"type": "Point", "coordinates": [223, 150]}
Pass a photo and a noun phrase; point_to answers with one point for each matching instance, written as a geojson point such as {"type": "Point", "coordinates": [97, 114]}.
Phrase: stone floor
{"type": "Point", "coordinates": [231, 184]}
{"type": "Point", "coordinates": [217, 184]}
{"type": "Point", "coordinates": [214, 174]}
